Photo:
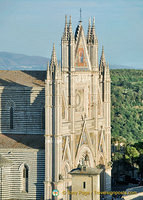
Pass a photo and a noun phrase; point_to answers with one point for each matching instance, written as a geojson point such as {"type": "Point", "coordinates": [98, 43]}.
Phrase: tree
{"type": "Point", "coordinates": [131, 155]}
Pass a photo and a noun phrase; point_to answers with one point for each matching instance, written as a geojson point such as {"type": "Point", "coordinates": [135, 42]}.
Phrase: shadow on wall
{"type": "Point", "coordinates": [24, 94]}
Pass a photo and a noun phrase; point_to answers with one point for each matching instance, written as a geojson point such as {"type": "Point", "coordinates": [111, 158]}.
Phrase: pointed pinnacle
{"type": "Point", "coordinates": [93, 25]}
{"type": "Point", "coordinates": [80, 15]}
{"type": "Point", "coordinates": [65, 19]}
{"type": "Point", "coordinates": [54, 51]}
{"type": "Point", "coordinates": [70, 25]}
{"type": "Point", "coordinates": [108, 68]}
{"type": "Point", "coordinates": [89, 22]}
{"type": "Point", "coordinates": [71, 36]}
{"type": "Point", "coordinates": [53, 57]}
{"type": "Point", "coordinates": [65, 34]}
{"type": "Point", "coordinates": [103, 56]}
{"type": "Point", "coordinates": [93, 34]}
{"type": "Point", "coordinates": [70, 20]}
{"type": "Point", "coordinates": [89, 31]}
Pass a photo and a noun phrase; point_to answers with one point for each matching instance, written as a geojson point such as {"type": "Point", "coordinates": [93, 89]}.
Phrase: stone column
{"type": "Point", "coordinates": [48, 140]}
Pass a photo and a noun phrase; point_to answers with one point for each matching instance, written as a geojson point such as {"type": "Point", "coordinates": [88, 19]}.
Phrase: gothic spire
{"type": "Point", "coordinates": [71, 36]}
{"type": "Point", "coordinates": [108, 71]}
{"type": "Point", "coordinates": [89, 31]}
{"type": "Point", "coordinates": [103, 56]}
{"type": "Point", "coordinates": [70, 25]}
{"type": "Point", "coordinates": [93, 34]}
{"type": "Point", "coordinates": [102, 61]}
{"type": "Point", "coordinates": [65, 29]}
{"type": "Point", "coordinates": [80, 15]}
{"type": "Point", "coordinates": [53, 57]}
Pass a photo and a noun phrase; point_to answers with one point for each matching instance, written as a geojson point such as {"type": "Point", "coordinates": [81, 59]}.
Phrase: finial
{"type": "Point", "coordinates": [80, 15]}
{"type": "Point", "coordinates": [70, 20]}
{"type": "Point", "coordinates": [108, 67]}
{"type": "Point", "coordinates": [70, 25]}
{"type": "Point", "coordinates": [65, 19]}
{"type": "Point", "coordinates": [54, 51]}
{"type": "Point", "coordinates": [93, 21]}
{"type": "Point", "coordinates": [93, 34]}
{"type": "Point", "coordinates": [53, 57]}
{"type": "Point", "coordinates": [65, 34]}
{"type": "Point", "coordinates": [89, 22]}
{"type": "Point", "coordinates": [102, 49]}
{"type": "Point", "coordinates": [70, 33]}
{"type": "Point", "coordinates": [89, 31]}
{"type": "Point", "coordinates": [102, 60]}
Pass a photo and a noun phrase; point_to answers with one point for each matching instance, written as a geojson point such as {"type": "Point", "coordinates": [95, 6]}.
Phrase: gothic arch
{"type": "Point", "coordinates": [24, 173]}
{"type": "Point", "coordinates": [85, 150]}
{"type": "Point", "coordinates": [10, 104]}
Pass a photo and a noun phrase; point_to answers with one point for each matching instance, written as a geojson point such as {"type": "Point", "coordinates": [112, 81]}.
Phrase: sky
{"type": "Point", "coordinates": [32, 26]}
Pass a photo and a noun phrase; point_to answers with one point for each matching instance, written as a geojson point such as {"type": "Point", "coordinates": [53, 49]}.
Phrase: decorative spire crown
{"type": "Point", "coordinates": [102, 61]}
{"type": "Point", "coordinates": [103, 56]}
{"type": "Point", "coordinates": [53, 57]}
{"type": "Point", "coordinates": [93, 34]}
{"type": "Point", "coordinates": [65, 35]}
{"type": "Point", "coordinates": [70, 25]}
{"type": "Point", "coordinates": [71, 36]}
{"type": "Point", "coordinates": [89, 31]}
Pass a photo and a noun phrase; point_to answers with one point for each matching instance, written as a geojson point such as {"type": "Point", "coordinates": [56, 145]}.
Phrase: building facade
{"type": "Point", "coordinates": [51, 120]}
{"type": "Point", "coordinates": [77, 102]}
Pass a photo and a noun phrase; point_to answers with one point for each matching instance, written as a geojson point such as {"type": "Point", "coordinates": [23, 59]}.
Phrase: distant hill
{"type": "Point", "coordinates": [124, 67]}
{"type": "Point", "coordinates": [12, 61]}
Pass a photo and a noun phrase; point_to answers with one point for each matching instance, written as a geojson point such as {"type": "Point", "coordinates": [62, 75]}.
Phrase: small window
{"type": "Point", "coordinates": [11, 118]}
{"type": "Point", "coordinates": [84, 185]}
{"type": "Point", "coordinates": [25, 179]}
{"type": "Point", "coordinates": [43, 118]}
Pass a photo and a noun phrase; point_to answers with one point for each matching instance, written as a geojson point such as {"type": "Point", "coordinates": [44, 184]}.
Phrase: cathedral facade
{"type": "Point", "coordinates": [51, 121]}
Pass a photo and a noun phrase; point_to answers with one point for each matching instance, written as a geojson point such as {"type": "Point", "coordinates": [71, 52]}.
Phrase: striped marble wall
{"type": "Point", "coordinates": [27, 104]}
{"type": "Point", "coordinates": [11, 184]}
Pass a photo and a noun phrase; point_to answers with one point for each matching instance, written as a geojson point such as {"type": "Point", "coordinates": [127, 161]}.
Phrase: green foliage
{"type": "Point", "coordinates": [131, 154]}
{"type": "Point", "coordinates": [127, 104]}
{"type": "Point", "coordinates": [117, 156]}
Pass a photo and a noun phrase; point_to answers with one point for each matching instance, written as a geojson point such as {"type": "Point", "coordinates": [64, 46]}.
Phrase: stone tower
{"type": "Point", "coordinates": [77, 111]}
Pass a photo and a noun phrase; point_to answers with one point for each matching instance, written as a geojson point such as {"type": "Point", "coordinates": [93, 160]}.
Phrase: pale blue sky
{"type": "Point", "coordinates": [31, 26]}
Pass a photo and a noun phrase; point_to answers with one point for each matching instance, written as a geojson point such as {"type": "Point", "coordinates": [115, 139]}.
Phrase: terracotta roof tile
{"type": "Point", "coordinates": [22, 78]}
{"type": "Point", "coordinates": [22, 141]}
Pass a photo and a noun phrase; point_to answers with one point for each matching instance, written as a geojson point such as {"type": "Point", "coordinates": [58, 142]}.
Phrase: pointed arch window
{"type": "Point", "coordinates": [43, 118]}
{"type": "Point", "coordinates": [11, 117]}
{"type": "Point", "coordinates": [25, 178]}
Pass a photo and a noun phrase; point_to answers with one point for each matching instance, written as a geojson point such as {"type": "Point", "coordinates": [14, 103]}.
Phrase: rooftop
{"type": "Point", "coordinates": [22, 141]}
{"type": "Point", "coordinates": [85, 171]}
{"type": "Point", "coordinates": [22, 78]}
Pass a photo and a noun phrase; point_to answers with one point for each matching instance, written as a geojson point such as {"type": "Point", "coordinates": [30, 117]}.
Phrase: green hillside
{"type": "Point", "coordinates": [127, 104]}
